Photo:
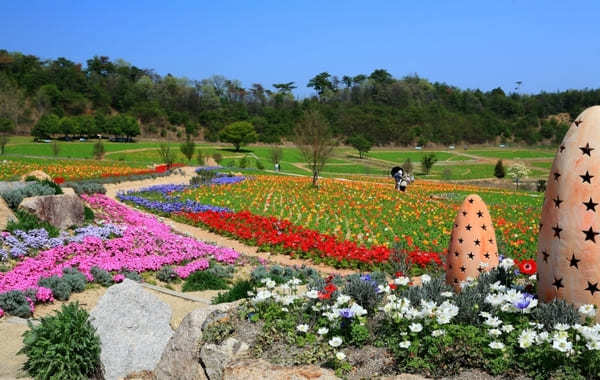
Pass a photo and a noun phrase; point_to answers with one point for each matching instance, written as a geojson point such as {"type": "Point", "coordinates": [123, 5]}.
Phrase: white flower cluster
{"type": "Point", "coordinates": [284, 293]}
{"type": "Point", "coordinates": [510, 300]}
{"type": "Point", "coordinates": [344, 306]}
{"type": "Point", "coordinates": [401, 308]}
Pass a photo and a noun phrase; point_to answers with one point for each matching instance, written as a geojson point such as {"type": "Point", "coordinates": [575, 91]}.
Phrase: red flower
{"type": "Point", "coordinates": [393, 286]}
{"type": "Point", "coordinates": [330, 288]}
{"type": "Point", "coordinates": [527, 267]}
{"type": "Point", "coordinates": [324, 296]}
{"type": "Point", "coordinates": [399, 274]}
{"type": "Point", "coordinates": [59, 180]}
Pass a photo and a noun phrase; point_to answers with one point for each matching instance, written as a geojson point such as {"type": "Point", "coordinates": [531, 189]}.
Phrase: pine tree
{"type": "Point", "coordinates": [499, 170]}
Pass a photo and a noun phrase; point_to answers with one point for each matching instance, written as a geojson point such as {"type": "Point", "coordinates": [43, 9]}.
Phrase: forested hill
{"type": "Point", "coordinates": [384, 109]}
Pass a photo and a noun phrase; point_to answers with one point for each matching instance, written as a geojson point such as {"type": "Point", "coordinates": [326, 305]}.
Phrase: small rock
{"type": "Point", "coordinates": [250, 369]}
{"type": "Point", "coordinates": [38, 174]}
{"type": "Point", "coordinates": [6, 214]}
{"type": "Point", "coordinates": [62, 211]}
{"type": "Point", "coordinates": [216, 357]}
{"type": "Point", "coordinates": [134, 329]}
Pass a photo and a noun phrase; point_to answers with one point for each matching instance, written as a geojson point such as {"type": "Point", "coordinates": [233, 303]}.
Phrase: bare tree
{"type": "Point", "coordinates": [314, 139]}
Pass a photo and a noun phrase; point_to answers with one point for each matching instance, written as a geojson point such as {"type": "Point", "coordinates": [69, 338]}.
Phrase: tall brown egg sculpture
{"type": "Point", "coordinates": [473, 248]}
{"type": "Point", "coordinates": [568, 257]}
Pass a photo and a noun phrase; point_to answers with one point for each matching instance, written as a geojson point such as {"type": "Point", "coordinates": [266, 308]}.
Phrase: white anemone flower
{"type": "Point", "coordinates": [587, 310]}
{"type": "Point", "coordinates": [527, 338]}
{"type": "Point", "coordinates": [340, 355]}
{"type": "Point", "coordinates": [416, 327]}
{"type": "Point", "coordinates": [336, 341]}
{"type": "Point", "coordinates": [302, 328]}
{"type": "Point", "coordinates": [322, 331]}
{"type": "Point", "coordinates": [496, 345]}
{"type": "Point", "coordinates": [404, 344]}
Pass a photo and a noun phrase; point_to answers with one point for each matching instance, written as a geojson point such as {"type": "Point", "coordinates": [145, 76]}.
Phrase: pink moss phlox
{"type": "Point", "coordinates": [146, 244]}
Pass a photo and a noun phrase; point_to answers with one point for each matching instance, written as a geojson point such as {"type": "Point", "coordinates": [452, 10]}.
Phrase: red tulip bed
{"type": "Point", "coordinates": [277, 235]}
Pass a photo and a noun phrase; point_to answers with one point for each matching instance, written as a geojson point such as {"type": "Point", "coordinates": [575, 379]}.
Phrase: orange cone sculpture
{"type": "Point", "coordinates": [568, 258]}
{"type": "Point", "coordinates": [473, 248]}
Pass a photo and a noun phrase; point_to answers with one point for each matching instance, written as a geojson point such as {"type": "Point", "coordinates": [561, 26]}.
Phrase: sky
{"type": "Point", "coordinates": [549, 45]}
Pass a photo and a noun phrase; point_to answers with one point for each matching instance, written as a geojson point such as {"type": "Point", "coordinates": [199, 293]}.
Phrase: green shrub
{"type": "Point", "coordinates": [223, 271]}
{"type": "Point", "coordinates": [133, 276]}
{"type": "Point", "coordinates": [218, 157]}
{"type": "Point", "coordinates": [364, 290]}
{"type": "Point", "coordinates": [202, 280]}
{"type": "Point", "coordinates": [166, 274]}
{"type": "Point", "coordinates": [52, 184]}
{"type": "Point", "coordinates": [14, 197]}
{"type": "Point", "coordinates": [238, 291]}
{"type": "Point", "coordinates": [26, 221]}
{"type": "Point", "coordinates": [62, 346]}
{"type": "Point", "coordinates": [15, 303]}
{"type": "Point", "coordinates": [88, 214]}
{"type": "Point", "coordinates": [557, 311]}
{"type": "Point", "coordinates": [61, 288]}
{"type": "Point", "coordinates": [259, 165]}
{"type": "Point", "coordinates": [101, 276]}
{"type": "Point", "coordinates": [86, 187]}
{"type": "Point", "coordinates": [75, 278]}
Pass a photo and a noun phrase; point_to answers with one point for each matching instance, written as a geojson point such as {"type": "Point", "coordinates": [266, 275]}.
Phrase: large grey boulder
{"type": "Point", "coordinates": [181, 357]}
{"type": "Point", "coordinates": [133, 326]}
{"type": "Point", "coordinates": [62, 211]}
{"type": "Point", "coordinates": [6, 214]}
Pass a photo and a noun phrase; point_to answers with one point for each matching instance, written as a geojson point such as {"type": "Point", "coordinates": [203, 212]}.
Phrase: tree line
{"type": "Point", "coordinates": [376, 107]}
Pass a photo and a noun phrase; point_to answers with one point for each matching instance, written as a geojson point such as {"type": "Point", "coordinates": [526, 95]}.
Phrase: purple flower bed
{"type": "Point", "coordinates": [22, 243]}
{"type": "Point", "coordinates": [169, 205]}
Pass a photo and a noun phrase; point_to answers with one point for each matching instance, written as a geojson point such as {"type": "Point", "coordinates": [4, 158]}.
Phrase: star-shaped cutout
{"type": "Point", "coordinates": [477, 242]}
{"type": "Point", "coordinates": [468, 227]}
{"type": "Point", "coordinates": [590, 234]}
{"type": "Point", "coordinates": [592, 288]}
{"type": "Point", "coordinates": [546, 255]}
{"type": "Point", "coordinates": [562, 147]}
{"type": "Point", "coordinates": [587, 177]}
{"type": "Point", "coordinates": [456, 280]}
{"type": "Point", "coordinates": [484, 227]}
{"type": "Point", "coordinates": [471, 255]}
{"type": "Point", "coordinates": [491, 241]}
{"type": "Point", "coordinates": [557, 201]}
{"type": "Point", "coordinates": [541, 225]}
{"type": "Point", "coordinates": [455, 225]}
{"type": "Point", "coordinates": [464, 213]}
{"type": "Point", "coordinates": [573, 261]}
{"type": "Point", "coordinates": [590, 205]}
{"type": "Point", "coordinates": [463, 268]}
{"type": "Point", "coordinates": [470, 200]}
{"type": "Point", "coordinates": [480, 269]}
{"type": "Point", "coordinates": [558, 283]}
{"type": "Point", "coordinates": [456, 253]}
{"type": "Point", "coordinates": [557, 230]}
{"type": "Point", "coordinates": [577, 122]}
{"type": "Point", "coordinates": [556, 175]}
{"type": "Point", "coordinates": [449, 266]}
{"type": "Point", "coordinates": [586, 149]}
{"type": "Point", "coordinates": [460, 240]}
{"type": "Point", "coordinates": [487, 255]}
{"type": "Point", "coordinates": [479, 214]}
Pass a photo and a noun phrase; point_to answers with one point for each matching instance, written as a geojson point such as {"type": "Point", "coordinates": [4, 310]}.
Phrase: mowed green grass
{"type": "Point", "coordinates": [399, 156]}
{"type": "Point", "coordinates": [343, 161]}
{"type": "Point", "coordinates": [512, 154]}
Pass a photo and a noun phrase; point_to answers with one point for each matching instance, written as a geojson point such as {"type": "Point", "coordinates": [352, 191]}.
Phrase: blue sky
{"type": "Point", "coordinates": [549, 45]}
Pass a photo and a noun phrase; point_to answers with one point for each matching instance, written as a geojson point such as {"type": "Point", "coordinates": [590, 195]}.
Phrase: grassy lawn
{"type": "Point", "coordinates": [398, 156]}
{"type": "Point", "coordinates": [512, 153]}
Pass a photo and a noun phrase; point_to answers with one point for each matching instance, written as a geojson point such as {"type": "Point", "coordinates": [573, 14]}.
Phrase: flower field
{"type": "Point", "coordinates": [69, 169]}
{"type": "Point", "coordinates": [129, 241]}
{"type": "Point", "coordinates": [278, 211]}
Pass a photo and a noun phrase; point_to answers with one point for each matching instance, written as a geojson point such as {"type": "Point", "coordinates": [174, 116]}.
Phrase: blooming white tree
{"type": "Point", "coordinates": [518, 171]}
